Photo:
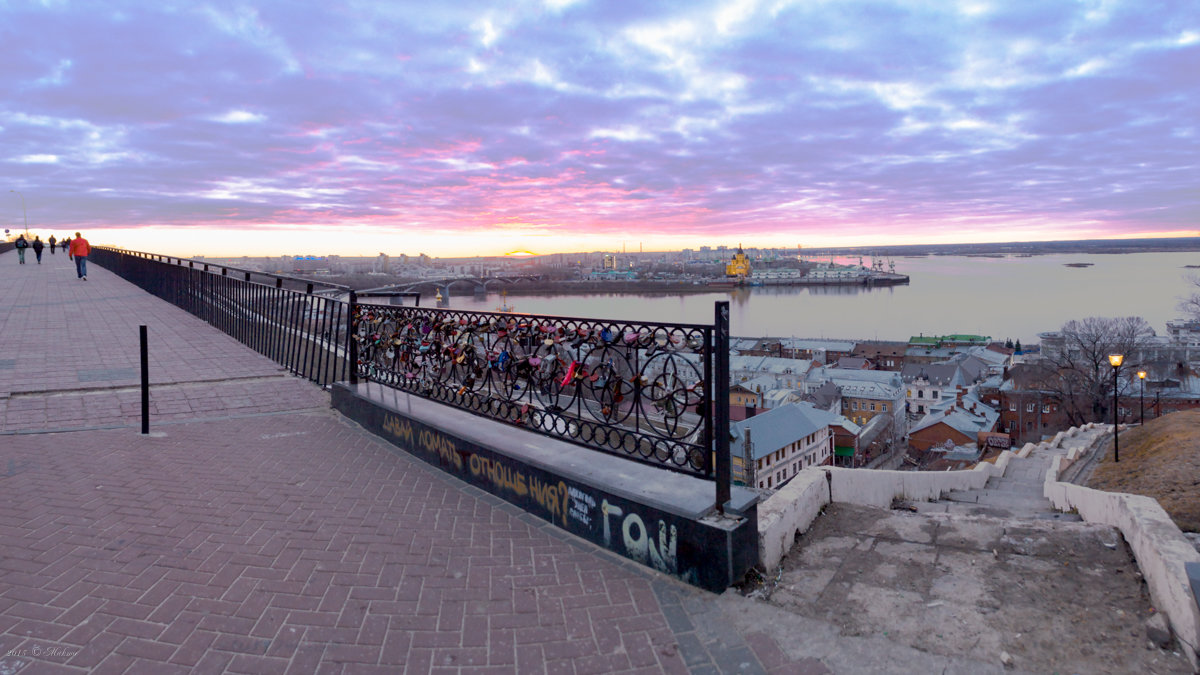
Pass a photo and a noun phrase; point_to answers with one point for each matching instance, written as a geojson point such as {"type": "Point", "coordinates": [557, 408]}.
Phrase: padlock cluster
{"type": "Point", "coordinates": [596, 383]}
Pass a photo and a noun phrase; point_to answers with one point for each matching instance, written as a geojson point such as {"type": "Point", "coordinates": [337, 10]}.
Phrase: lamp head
{"type": "Point", "coordinates": [1116, 360]}
{"type": "Point", "coordinates": [1141, 374]}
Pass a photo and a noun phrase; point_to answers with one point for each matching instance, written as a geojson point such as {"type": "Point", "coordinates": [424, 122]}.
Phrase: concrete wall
{"type": "Point", "coordinates": [792, 509]}
{"type": "Point", "coordinates": [1158, 545]}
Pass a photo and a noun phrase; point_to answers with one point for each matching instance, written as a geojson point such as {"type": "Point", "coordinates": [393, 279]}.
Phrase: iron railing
{"type": "Point", "coordinates": [637, 389]}
{"type": "Point", "coordinates": [640, 390]}
{"type": "Point", "coordinates": [284, 318]}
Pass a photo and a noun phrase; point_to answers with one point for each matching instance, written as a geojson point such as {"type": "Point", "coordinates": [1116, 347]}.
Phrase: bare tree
{"type": "Point", "coordinates": [1190, 305]}
{"type": "Point", "coordinates": [1085, 378]}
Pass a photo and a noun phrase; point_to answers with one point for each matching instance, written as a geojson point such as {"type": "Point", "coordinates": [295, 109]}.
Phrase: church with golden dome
{"type": "Point", "coordinates": [739, 266]}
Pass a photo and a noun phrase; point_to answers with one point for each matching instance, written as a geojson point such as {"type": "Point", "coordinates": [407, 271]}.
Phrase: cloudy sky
{"type": "Point", "coordinates": [462, 128]}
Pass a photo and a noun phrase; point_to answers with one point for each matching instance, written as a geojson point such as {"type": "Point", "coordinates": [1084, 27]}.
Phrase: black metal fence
{"type": "Point", "coordinates": [637, 389]}
{"type": "Point", "coordinates": [641, 390]}
{"type": "Point", "coordinates": [299, 323]}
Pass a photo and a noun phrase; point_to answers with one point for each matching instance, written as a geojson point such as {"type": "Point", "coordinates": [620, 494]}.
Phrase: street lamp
{"type": "Point", "coordinates": [1115, 360]}
{"type": "Point", "coordinates": [1142, 396]}
{"type": "Point", "coordinates": [23, 212]}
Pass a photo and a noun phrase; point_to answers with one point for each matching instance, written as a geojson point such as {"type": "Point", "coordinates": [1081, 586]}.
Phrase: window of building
{"type": "Point", "coordinates": [933, 394]}
{"type": "Point", "coordinates": [920, 409]}
{"type": "Point", "coordinates": [920, 393]}
{"type": "Point", "coordinates": [1012, 407]}
{"type": "Point", "coordinates": [872, 407]}
{"type": "Point", "coordinates": [1045, 408]}
{"type": "Point", "coordinates": [854, 405]}
{"type": "Point", "coordinates": [1029, 407]}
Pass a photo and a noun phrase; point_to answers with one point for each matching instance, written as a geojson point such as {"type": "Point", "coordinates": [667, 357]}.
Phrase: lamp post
{"type": "Point", "coordinates": [24, 214]}
{"type": "Point", "coordinates": [1142, 396]}
{"type": "Point", "coordinates": [1115, 360]}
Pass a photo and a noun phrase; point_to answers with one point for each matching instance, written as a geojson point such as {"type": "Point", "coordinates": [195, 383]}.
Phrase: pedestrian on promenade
{"type": "Point", "coordinates": [21, 246]}
{"type": "Point", "coordinates": [52, 241]}
{"type": "Point", "coordinates": [38, 245]}
{"type": "Point", "coordinates": [79, 251]}
{"type": "Point", "coordinates": [65, 243]}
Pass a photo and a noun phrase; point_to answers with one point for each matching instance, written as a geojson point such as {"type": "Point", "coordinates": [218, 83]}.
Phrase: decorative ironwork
{"type": "Point", "coordinates": [302, 330]}
{"type": "Point", "coordinates": [634, 389]}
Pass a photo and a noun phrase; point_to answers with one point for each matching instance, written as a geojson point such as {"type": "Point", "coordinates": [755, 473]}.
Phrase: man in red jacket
{"type": "Point", "coordinates": [79, 251]}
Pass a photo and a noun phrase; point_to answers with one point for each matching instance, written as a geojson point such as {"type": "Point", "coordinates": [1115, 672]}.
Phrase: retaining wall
{"type": "Point", "coordinates": [1158, 545]}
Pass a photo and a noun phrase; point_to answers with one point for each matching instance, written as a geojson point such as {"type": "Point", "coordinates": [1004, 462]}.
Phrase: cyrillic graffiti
{"type": "Point", "coordinates": [638, 543]}
{"type": "Point", "coordinates": [437, 444]}
{"type": "Point", "coordinates": [399, 428]}
{"type": "Point", "coordinates": [581, 507]}
{"type": "Point", "coordinates": [566, 505]}
{"type": "Point", "coordinates": [502, 476]}
{"type": "Point", "coordinates": [553, 498]}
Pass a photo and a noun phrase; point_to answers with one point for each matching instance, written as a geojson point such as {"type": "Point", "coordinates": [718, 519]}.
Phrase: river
{"type": "Point", "coordinates": [1007, 297]}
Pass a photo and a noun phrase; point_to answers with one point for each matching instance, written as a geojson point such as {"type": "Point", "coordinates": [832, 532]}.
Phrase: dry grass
{"type": "Point", "coordinates": [1162, 460]}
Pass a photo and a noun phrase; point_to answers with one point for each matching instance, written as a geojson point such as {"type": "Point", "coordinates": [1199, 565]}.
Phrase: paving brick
{"type": "Point", "coordinates": [290, 540]}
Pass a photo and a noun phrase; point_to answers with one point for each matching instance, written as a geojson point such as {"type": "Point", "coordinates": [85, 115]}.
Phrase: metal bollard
{"type": "Point", "coordinates": [145, 381]}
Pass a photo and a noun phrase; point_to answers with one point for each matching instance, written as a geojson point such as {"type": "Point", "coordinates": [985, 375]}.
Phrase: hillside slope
{"type": "Point", "coordinates": [1162, 460]}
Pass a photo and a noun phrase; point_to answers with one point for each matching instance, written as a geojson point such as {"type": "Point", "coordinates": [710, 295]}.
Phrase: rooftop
{"type": "Point", "coordinates": [255, 530]}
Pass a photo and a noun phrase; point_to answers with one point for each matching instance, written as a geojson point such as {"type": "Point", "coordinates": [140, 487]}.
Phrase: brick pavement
{"type": "Point", "coordinates": [257, 531]}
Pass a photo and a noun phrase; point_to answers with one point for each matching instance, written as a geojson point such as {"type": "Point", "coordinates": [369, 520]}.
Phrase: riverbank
{"type": "Point", "coordinates": [655, 287]}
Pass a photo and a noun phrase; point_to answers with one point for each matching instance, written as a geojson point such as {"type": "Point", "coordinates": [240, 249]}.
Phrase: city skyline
{"type": "Point", "coordinates": [559, 126]}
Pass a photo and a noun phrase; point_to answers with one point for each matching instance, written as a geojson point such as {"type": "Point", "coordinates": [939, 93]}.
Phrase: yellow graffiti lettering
{"type": "Point", "coordinates": [441, 446]}
{"type": "Point", "coordinates": [553, 498]}
{"type": "Point", "coordinates": [502, 476]}
{"type": "Point", "coordinates": [401, 429]}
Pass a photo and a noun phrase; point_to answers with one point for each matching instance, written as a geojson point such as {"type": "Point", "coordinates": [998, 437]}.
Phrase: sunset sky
{"type": "Point", "coordinates": [479, 128]}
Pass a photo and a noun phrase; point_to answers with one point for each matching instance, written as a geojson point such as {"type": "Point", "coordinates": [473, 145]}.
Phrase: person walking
{"type": "Point", "coordinates": [21, 246]}
{"type": "Point", "coordinates": [38, 245]}
{"type": "Point", "coordinates": [65, 243]}
{"type": "Point", "coordinates": [79, 251]}
{"type": "Point", "coordinates": [51, 241]}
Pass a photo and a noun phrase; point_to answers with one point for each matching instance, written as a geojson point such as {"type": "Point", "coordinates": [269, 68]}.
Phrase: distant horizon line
{"type": "Point", "coordinates": [527, 255]}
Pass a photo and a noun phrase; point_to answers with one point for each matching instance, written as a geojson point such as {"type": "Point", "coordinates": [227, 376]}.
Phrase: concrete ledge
{"type": "Point", "coordinates": [659, 518]}
{"type": "Point", "coordinates": [1161, 550]}
{"type": "Point", "coordinates": [792, 509]}
{"type": "Point", "coordinates": [788, 513]}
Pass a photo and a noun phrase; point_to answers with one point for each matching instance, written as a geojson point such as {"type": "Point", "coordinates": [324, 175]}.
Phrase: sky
{"type": "Point", "coordinates": [480, 128]}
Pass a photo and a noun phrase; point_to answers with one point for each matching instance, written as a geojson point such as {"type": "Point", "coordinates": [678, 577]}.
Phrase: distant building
{"type": "Point", "coordinates": [771, 448]}
{"type": "Point", "coordinates": [957, 422]}
{"type": "Point", "coordinates": [865, 394]}
{"type": "Point", "coordinates": [739, 266]}
{"type": "Point", "coordinates": [1184, 332]}
{"type": "Point", "coordinates": [884, 354]}
{"type": "Point", "coordinates": [1030, 409]}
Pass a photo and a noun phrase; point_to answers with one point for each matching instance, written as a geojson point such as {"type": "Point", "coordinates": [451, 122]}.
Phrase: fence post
{"type": "Point", "coordinates": [351, 341]}
{"type": "Point", "coordinates": [145, 380]}
{"type": "Point", "coordinates": [720, 405]}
